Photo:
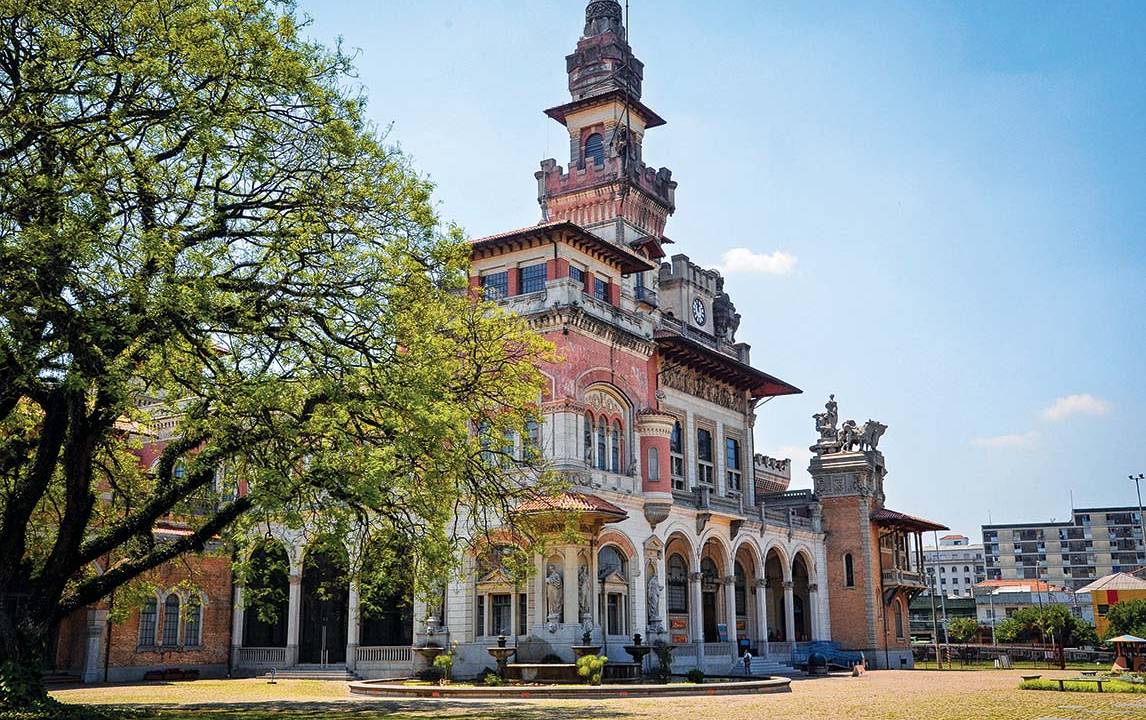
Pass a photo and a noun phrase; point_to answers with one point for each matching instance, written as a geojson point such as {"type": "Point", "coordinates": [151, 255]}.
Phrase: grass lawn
{"type": "Point", "coordinates": [1015, 664]}
{"type": "Point", "coordinates": [884, 695]}
{"type": "Point", "coordinates": [1110, 686]}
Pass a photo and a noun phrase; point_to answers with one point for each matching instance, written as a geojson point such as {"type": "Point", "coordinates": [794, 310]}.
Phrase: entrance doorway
{"type": "Point", "coordinates": [325, 599]}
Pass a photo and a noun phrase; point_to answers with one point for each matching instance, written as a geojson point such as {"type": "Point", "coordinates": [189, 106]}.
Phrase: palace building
{"type": "Point", "coordinates": [684, 534]}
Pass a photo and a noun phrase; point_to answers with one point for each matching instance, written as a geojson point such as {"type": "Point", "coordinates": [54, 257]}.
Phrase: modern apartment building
{"type": "Point", "coordinates": [1093, 543]}
{"type": "Point", "coordinates": [958, 564]}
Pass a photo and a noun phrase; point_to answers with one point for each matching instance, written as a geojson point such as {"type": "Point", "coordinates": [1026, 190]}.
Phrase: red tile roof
{"type": "Point", "coordinates": [572, 502]}
{"type": "Point", "coordinates": [883, 516]}
{"type": "Point", "coordinates": [1035, 585]}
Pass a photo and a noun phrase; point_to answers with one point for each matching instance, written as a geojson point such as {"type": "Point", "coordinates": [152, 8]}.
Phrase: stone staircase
{"type": "Point", "coordinates": [314, 672]}
{"type": "Point", "coordinates": [60, 677]}
{"type": "Point", "coordinates": [764, 666]}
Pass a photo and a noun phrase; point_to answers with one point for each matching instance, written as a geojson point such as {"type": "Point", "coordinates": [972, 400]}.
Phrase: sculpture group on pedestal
{"type": "Point", "coordinates": [849, 436]}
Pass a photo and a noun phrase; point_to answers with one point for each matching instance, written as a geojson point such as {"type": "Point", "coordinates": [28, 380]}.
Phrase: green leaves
{"type": "Point", "coordinates": [207, 252]}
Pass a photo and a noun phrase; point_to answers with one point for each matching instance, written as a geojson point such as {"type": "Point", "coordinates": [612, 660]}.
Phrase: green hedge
{"type": "Point", "coordinates": [1115, 686]}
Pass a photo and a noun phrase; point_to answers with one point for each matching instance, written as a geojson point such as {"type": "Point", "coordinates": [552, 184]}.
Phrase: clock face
{"type": "Point", "coordinates": [698, 312]}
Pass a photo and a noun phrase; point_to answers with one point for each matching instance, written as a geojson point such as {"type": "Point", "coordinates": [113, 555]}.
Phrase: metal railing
{"type": "Point", "coordinates": [262, 656]}
{"type": "Point", "coordinates": [384, 653]}
{"type": "Point", "coordinates": [716, 649]}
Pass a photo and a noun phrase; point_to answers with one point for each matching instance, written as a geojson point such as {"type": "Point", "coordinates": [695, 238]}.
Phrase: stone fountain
{"type": "Point", "coordinates": [431, 649]}
{"type": "Point", "coordinates": [585, 648]}
{"type": "Point", "coordinates": [637, 651]}
{"type": "Point", "coordinates": [501, 654]}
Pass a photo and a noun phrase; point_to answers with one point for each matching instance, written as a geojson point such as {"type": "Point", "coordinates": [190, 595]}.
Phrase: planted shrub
{"type": "Point", "coordinates": [592, 668]}
{"type": "Point", "coordinates": [492, 679]}
{"type": "Point", "coordinates": [696, 675]}
{"type": "Point", "coordinates": [445, 664]}
{"type": "Point", "coordinates": [551, 659]}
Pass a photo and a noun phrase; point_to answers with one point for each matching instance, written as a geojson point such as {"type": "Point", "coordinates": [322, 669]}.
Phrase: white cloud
{"type": "Point", "coordinates": [743, 260]}
{"type": "Point", "coordinates": [1017, 440]}
{"type": "Point", "coordinates": [1084, 404]}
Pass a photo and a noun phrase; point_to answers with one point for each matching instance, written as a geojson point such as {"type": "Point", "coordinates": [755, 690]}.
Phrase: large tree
{"type": "Point", "coordinates": [200, 229]}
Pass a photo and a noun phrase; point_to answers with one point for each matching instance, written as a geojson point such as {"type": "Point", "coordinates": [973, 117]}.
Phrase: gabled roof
{"type": "Point", "coordinates": [651, 119]}
{"type": "Point", "coordinates": [1017, 585]}
{"type": "Point", "coordinates": [567, 232]}
{"type": "Point", "coordinates": [883, 516]}
{"type": "Point", "coordinates": [1116, 581]}
{"type": "Point", "coordinates": [679, 349]}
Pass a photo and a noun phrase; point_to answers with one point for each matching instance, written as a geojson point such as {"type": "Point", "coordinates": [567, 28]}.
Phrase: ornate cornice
{"type": "Point", "coordinates": [564, 317]}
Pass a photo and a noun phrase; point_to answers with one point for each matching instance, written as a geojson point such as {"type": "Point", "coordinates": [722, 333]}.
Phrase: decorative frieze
{"type": "Point", "coordinates": [693, 383]}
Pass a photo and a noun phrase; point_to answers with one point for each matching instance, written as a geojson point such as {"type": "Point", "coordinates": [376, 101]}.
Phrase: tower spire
{"type": "Point", "coordinates": [604, 16]}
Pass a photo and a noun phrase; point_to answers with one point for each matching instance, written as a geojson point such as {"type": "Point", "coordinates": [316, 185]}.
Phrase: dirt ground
{"type": "Point", "coordinates": [888, 695]}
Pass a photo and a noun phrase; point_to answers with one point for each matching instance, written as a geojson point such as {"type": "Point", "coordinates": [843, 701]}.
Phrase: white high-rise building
{"type": "Point", "coordinates": [957, 563]}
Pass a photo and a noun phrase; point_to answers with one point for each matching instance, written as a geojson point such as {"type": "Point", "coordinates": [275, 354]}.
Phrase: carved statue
{"type": "Point", "coordinates": [870, 434]}
{"type": "Point", "coordinates": [826, 421]}
{"type": "Point", "coordinates": [554, 593]}
{"type": "Point", "coordinates": [584, 593]}
{"type": "Point", "coordinates": [864, 437]}
{"type": "Point", "coordinates": [725, 319]}
{"type": "Point", "coordinates": [849, 435]}
{"type": "Point", "coordinates": [654, 599]}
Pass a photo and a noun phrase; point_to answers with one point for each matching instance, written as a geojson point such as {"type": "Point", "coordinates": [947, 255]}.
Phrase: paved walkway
{"type": "Point", "coordinates": [887, 695]}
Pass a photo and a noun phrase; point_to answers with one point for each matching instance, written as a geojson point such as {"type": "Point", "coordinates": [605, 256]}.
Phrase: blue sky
{"type": "Point", "coordinates": [955, 193]}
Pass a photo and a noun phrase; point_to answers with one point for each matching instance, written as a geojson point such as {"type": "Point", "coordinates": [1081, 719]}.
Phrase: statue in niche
{"type": "Point", "coordinates": [653, 591]}
{"type": "Point", "coordinates": [584, 593]}
{"type": "Point", "coordinates": [554, 593]}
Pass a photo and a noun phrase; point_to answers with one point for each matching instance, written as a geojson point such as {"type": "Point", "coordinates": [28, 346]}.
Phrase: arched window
{"type": "Point", "coordinates": [602, 445]}
{"type": "Point", "coordinates": [192, 627]}
{"type": "Point", "coordinates": [147, 622]}
{"type": "Point", "coordinates": [849, 571]}
{"type": "Point", "coordinates": [595, 149]}
{"type": "Point", "coordinates": [654, 471]}
{"type": "Point", "coordinates": [898, 620]}
{"type": "Point", "coordinates": [588, 439]}
{"type": "Point", "coordinates": [676, 457]}
{"type": "Point", "coordinates": [676, 585]}
{"type": "Point", "coordinates": [615, 448]}
{"type": "Point", "coordinates": [613, 576]}
{"type": "Point", "coordinates": [171, 620]}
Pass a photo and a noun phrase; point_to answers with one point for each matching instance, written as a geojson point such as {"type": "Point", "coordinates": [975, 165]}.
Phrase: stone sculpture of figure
{"type": "Point", "coordinates": [826, 421]}
{"type": "Point", "coordinates": [554, 593]}
{"type": "Point", "coordinates": [654, 600]}
{"type": "Point", "coordinates": [849, 435]}
{"type": "Point", "coordinates": [584, 593]}
{"type": "Point", "coordinates": [725, 319]}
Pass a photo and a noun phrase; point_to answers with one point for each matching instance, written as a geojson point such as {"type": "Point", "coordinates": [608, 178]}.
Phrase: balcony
{"type": "Point", "coordinates": [900, 578]}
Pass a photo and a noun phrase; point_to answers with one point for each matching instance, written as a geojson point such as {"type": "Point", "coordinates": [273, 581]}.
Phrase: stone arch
{"type": "Point", "coordinates": [604, 376]}
{"type": "Point", "coordinates": [776, 549]}
{"type": "Point", "coordinates": [266, 588]}
{"type": "Point", "coordinates": [712, 537]}
{"type": "Point", "coordinates": [777, 574]}
{"type": "Point", "coordinates": [747, 571]}
{"type": "Point", "coordinates": [803, 601]}
{"type": "Point", "coordinates": [614, 536]}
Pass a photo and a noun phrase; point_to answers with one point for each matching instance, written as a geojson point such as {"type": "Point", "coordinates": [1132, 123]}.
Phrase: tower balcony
{"type": "Point", "coordinates": [907, 579]}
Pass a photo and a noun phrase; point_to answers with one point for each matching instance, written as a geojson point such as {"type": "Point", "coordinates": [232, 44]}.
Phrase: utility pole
{"type": "Point", "coordinates": [942, 596]}
{"type": "Point", "coordinates": [935, 622]}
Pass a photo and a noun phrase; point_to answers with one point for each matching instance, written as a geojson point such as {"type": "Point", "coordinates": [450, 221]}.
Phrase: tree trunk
{"type": "Point", "coordinates": [24, 635]}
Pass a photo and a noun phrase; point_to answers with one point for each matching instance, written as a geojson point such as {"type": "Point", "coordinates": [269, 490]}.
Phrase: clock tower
{"type": "Point", "coordinates": [607, 188]}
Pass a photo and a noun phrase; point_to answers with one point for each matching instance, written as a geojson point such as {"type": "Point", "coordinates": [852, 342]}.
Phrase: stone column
{"type": "Point", "coordinates": [352, 628]}
{"type": "Point", "coordinates": [94, 650]}
{"type": "Point", "coordinates": [540, 597]}
{"type": "Point", "coordinates": [813, 611]}
{"type": "Point", "coordinates": [696, 616]}
{"type": "Point", "coordinates": [789, 614]}
{"type": "Point", "coordinates": [762, 615]}
{"type": "Point", "coordinates": [294, 617]}
{"type": "Point", "coordinates": [237, 618]}
{"type": "Point", "coordinates": [569, 586]}
{"type": "Point", "coordinates": [730, 609]}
